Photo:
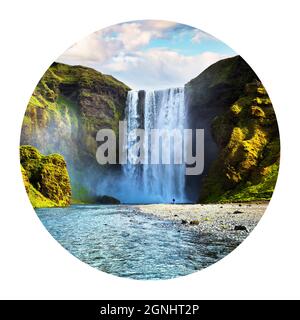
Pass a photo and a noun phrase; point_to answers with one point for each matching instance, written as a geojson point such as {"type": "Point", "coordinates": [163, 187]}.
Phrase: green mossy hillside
{"type": "Point", "coordinates": [249, 149]}
{"type": "Point", "coordinates": [218, 86]}
{"type": "Point", "coordinates": [75, 100]}
{"type": "Point", "coordinates": [67, 108]}
{"type": "Point", "coordinates": [46, 178]}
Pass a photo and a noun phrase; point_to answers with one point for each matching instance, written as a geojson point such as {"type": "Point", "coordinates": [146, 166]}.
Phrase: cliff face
{"type": "Point", "coordinates": [241, 134]}
{"type": "Point", "coordinates": [67, 108]}
{"type": "Point", "coordinates": [71, 103]}
{"type": "Point", "coordinates": [45, 178]}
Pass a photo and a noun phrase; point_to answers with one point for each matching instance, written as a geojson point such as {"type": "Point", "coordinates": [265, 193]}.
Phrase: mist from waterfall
{"type": "Point", "coordinates": [154, 183]}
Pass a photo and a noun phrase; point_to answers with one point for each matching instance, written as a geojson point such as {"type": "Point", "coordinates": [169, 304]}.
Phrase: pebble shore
{"type": "Point", "coordinates": [231, 220]}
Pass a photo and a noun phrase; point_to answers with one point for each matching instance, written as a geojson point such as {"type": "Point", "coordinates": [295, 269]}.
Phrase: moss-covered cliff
{"type": "Point", "coordinates": [45, 178]}
{"type": "Point", "coordinates": [248, 161]}
{"type": "Point", "coordinates": [71, 103]}
{"type": "Point", "coordinates": [67, 108]}
{"type": "Point", "coordinates": [241, 134]}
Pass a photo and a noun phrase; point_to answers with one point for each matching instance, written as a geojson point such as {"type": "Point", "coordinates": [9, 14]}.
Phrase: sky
{"type": "Point", "coordinates": [148, 54]}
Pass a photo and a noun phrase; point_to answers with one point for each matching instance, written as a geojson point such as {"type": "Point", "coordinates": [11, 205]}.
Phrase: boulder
{"type": "Point", "coordinates": [240, 228]}
{"type": "Point", "coordinates": [107, 200]}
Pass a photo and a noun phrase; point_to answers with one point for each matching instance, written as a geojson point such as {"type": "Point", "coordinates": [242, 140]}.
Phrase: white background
{"type": "Point", "coordinates": [33, 265]}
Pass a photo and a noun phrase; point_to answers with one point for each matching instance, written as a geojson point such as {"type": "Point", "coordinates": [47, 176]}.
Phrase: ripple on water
{"type": "Point", "coordinates": [117, 240]}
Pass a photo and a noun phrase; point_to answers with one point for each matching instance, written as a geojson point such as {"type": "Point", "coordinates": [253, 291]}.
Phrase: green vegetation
{"type": "Point", "coordinates": [72, 95]}
{"type": "Point", "coordinates": [229, 102]}
{"type": "Point", "coordinates": [247, 165]}
{"type": "Point", "coordinates": [36, 198]}
{"type": "Point", "coordinates": [45, 178]}
{"type": "Point", "coordinates": [71, 103]}
{"type": "Point", "coordinates": [67, 108]}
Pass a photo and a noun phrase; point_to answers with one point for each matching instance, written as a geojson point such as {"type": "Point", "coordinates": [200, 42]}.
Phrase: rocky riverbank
{"type": "Point", "coordinates": [231, 220]}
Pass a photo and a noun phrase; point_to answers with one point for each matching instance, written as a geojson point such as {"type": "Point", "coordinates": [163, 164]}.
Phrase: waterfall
{"type": "Point", "coordinates": [161, 109]}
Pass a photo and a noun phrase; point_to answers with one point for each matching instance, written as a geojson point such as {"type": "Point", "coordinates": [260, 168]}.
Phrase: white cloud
{"type": "Point", "coordinates": [198, 36]}
{"type": "Point", "coordinates": [122, 51]}
{"type": "Point", "coordinates": [121, 38]}
{"type": "Point", "coordinates": [158, 24]}
{"type": "Point", "coordinates": [159, 68]}
{"type": "Point", "coordinates": [133, 36]}
{"type": "Point", "coordinates": [92, 49]}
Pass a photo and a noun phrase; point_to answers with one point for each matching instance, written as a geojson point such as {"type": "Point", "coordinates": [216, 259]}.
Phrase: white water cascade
{"type": "Point", "coordinates": [155, 183]}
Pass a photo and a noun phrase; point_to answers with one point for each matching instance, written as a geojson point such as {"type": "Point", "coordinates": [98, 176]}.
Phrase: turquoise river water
{"type": "Point", "coordinates": [120, 241]}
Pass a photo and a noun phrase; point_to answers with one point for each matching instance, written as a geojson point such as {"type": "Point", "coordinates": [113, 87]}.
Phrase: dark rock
{"type": "Point", "coordinates": [107, 200]}
{"type": "Point", "coordinates": [175, 215]}
{"type": "Point", "coordinates": [240, 228]}
{"type": "Point", "coordinates": [237, 212]}
{"type": "Point", "coordinates": [183, 221]}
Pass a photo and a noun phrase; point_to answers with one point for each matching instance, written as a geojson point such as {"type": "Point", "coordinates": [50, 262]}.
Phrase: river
{"type": "Point", "coordinates": [118, 240]}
